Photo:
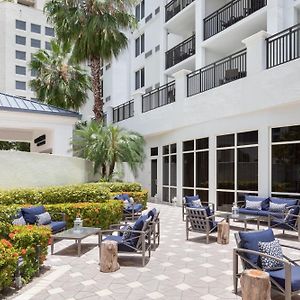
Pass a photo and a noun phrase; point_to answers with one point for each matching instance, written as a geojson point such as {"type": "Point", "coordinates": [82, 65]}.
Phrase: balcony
{"type": "Point", "coordinates": [174, 7]}
{"type": "Point", "coordinates": [283, 46]}
{"type": "Point", "coordinates": [123, 111]}
{"type": "Point", "coordinates": [180, 52]}
{"type": "Point", "coordinates": [230, 14]}
{"type": "Point", "coordinates": [161, 96]}
{"type": "Point", "coordinates": [218, 73]}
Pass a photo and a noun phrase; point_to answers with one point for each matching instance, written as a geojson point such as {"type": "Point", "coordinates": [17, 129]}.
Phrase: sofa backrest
{"type": "Point", "coordinates": [30, 213]}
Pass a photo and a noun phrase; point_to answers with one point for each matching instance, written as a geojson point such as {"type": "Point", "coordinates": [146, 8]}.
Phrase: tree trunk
{"type": "Point", "coordinates": [95, 66]}
{"type": "Point", "coordinates": [255, 285]}
{"type": "Point", "coordinates": [223, 233]}
{"type": "Point", "coordinates": [109, 257]}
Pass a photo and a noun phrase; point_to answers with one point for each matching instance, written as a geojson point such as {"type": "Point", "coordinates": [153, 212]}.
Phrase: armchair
{"type": "Point", "coordinates": [286, 280]}
{"type": "Point", "coordinates": [131, 210]}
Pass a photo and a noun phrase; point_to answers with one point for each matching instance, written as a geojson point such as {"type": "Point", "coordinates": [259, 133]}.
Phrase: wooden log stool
{"type": "Point", "coordinates": [109, 257]}
{"type": "Point", "coordinates": [255, 285]}
{"type": "Point", "coordinates": [223, 233]}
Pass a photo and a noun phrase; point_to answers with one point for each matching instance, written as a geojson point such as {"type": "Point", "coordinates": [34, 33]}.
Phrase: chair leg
{"type": "Point", "coordinates": [288, 281]}
{"type": "Point", "coordinates": [235, 271]}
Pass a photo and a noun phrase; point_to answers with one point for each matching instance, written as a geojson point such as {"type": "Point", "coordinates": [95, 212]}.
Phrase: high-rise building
{"type": "Point", "coordinates": [213, 85]}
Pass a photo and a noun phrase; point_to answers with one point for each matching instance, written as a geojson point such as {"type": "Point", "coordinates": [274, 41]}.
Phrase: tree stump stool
{"type": "Point", "coordinates": [109, 257]}
{"type": "Point", "coordinates": [255, 285]}
{"type": "Point", "coordinates": [223, 233]}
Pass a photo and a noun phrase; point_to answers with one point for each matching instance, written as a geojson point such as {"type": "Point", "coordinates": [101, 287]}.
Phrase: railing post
{"type": "Point", "coordinates": [181, 85]}
{"type": "Point", "coordinates": [256, 52]}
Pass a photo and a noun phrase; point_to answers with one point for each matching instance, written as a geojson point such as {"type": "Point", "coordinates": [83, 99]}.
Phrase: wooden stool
{"type": "Point", "coordinates": [223, 233]}
{"type": "Point", "coordinates": [255, 285]}
{"type": "Point", "coordinates": [109, 257]}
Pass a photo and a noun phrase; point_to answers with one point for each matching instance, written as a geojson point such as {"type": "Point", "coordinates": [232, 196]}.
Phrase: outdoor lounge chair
{"type": "Point", "coordinates": [200, 220]}
{"type": "Point", "coordinates": [187, 201]}
{"type": "Point", "coordinates": [136, 240]}
{"type": "Point", "coordinates": [286, 280]}
{"type": "Point", "coordinates": [130, 210]}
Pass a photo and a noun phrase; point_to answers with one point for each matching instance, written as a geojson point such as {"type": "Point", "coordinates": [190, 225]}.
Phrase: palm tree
{"type": "Point", "coordinates": [59, 81]}
{"type": "Point", "coordinates": [96, 29]}
{"type": "Point", "coordinates": [108, 146]}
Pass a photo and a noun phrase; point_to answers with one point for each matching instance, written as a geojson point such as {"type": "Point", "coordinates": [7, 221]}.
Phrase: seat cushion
{"type": "Point", "coordinates": [247, 211]}
{"type": "Point", "coordinates": [30, 213]}
{"type": "Point", "coordinates": [287, 201]}
{"type": "Point", "coordinates": [122, 246]}
{"type": "Point", "coordinates": [264, 201]}
{"type": "Point", "coordinates": [249, 240]}
{"type": "Point", "coordinates": [57, 226]}
{"type": "Point", "coordinates": [135, 207]}
{"type": "Point", "coordinates": [279, 277]}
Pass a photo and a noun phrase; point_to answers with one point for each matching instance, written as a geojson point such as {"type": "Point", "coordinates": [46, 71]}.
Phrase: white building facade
{"type": "Point", "coordinates": [213, 85]}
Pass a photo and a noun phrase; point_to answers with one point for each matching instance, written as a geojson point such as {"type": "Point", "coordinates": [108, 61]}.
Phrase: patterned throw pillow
{"type": "Point", "coordinates": [43, 219]}
{"type": "Point", "coordinates": [196, 203]}
{"type": "Point", "coordinates": [19, 222]}
{"type": "Point", "coordinates": [275, 207]}
{"type": "Point", "coordinates": [253, 205]}
{"type": "Point", "coordinates": [127, 234]}
{"type": "Point", "coordinates": [126, 204]}
{"type": "Point", "coordinates": [274, 249]}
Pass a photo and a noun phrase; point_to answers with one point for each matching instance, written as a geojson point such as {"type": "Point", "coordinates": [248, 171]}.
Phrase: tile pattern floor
{"type": "Point", "coordinates": [178, 269]}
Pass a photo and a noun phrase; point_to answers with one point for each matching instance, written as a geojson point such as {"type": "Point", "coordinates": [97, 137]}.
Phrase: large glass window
{"type": "Point", "coordinates": [169, 162]}
{"type": "Point", "coordinates": [20, 70]}
{"type": "Point", "coordinates": [20, 40]}
{"type": "Point", "coordinates": [237, 167]}
{"type": "Point", "coordinates": [286, 160]}
{"type": "Point", "coordinates": [35, 28]}
{"type": "Point", "coordinates": [20, 55]}
{"type": "Point", "coordinates": [49, 31]}
{"type": "Point", "coordinates": [195, 168]}
{"type": "Point", "coordinates": [20, 25]}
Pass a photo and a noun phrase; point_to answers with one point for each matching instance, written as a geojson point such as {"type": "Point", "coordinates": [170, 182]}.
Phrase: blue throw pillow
{"type": "Point", "coordinates": [287, 201]}
{"type": "Point", "coordinates": [30, 213]}
{"type": "Point", "coordinates": [189, 200]}
{"type": "Point", "coordinates": [264, 201]}
{"type": "Point", "coordinates": [152, 213]}
{"type": "Point", "coordinates": [250, 240]}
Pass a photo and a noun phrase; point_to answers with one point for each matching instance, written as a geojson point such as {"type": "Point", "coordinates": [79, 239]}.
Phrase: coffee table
{"type": "Point", "coordinates": [76, 235]}
{"type": "Point", "coordinates": [241, 218]}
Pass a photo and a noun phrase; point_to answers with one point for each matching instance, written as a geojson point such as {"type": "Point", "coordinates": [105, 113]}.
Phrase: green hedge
{"type": "Point", "coordinates": [89, 192]}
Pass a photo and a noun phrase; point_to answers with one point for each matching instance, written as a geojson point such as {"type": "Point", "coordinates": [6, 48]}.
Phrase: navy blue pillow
{"type": "Point", "coordinates": [189, 200]}
{"type": "Point", "coordinates": [138, 225]}
{"type": "Point", "coordinates": [289, 202]}
{"type": "Point", "coordinates": [125, 197]}
{"type": "Point", "coordinates": [264, 201]}
{"type": "Point", "coordinates": [30, 213]}
{"type": "Point", "coordinates": [250, 239]}
{"type": "Point", "coordinates": [152, 213]}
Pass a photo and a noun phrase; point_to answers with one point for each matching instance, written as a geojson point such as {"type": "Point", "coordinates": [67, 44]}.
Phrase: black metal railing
{"type": "Point", "coordinates": [180, 52]}
{"type": "Point", "coordinates": [218, 73]}
{"type": "Point", "coordinates": [283, 46]}
{"type": "Point", "coordinates": [161, 96]}
{"type": "Point", "coordinates": [123, 111]}
{"type": "Point", "coordinates": [174, 7]}
{"type": "Point", "coordinates": [229, 14]}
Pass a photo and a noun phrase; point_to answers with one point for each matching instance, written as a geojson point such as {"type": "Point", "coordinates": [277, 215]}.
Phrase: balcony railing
{"type": "Point", "coordinates": [283, 46]}
{"type": "Point", "coordinates": [159, 97]}
{"type": "Point", "coordinates": [123, 111]}
{"type": "Point", "coordinates": [180, 52]}
{"type": "Point", "coordinates": [176, 6]}
{"type": "Point", "coordinates": [221, 72]}
{"type": "Point", "coordinates": [229, 14]}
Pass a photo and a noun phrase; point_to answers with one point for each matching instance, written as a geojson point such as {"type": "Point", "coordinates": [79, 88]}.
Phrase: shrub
{"type": "Point", "coordinates": [122, 186]}
{"type": "Point", "coordinates": [8, 263]}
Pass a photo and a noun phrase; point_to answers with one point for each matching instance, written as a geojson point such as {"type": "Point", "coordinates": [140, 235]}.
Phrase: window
{"type": "Point", "coordinates": [139, 79]}
{"type": "Point", "coordinates": [195, 168]}
{"type": "Point", "coordinates": [20, 25]}
{"type": "Point", "coordinates": [286, 161]}
{"type": "Point", "coordinates": [33, 73]}
{"type": "Point", "coordinates": [20, 55]}
{"type": "Point", "coordinates": [169, 163]}
{"type": "Point", "coordinates": [35, 28]}
{"type": "Point", "coordinates": [237, 167]}
{"type": "Point", "coordinates": [49, 31]}
{"type": "Point", "coordinates": [140, 45]}
{"type": "Point", "coordinates": [154, 151]}
{"type": "Point", "coordinates": [21, 85]}
{"type": "Point", "coordinates": [20, 40]}
{"type": "Point", "coordinates": [20, 70]}
{"type": "Point", "coordinates": [140, 11]}
{"type": "Point", "coordinates": [47, 46]}
{"type": "Point", "coordinates": [35, 43]}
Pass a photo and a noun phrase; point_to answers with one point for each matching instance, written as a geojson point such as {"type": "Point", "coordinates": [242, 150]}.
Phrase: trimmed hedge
{"type": "Point", "coordinates": [116, 187]}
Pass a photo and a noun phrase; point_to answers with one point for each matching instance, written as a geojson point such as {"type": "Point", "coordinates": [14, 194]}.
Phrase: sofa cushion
{"type": "Point", "coordinates": [43, 219]}
{"type": "Point", "coordinates": [264, 201]}
{"type": "Point", "coordinates": [277, 207]}
{"type": "Point", "coordinates": [123, 246]}
{"type": "Point", "coordinates": [248, 211]}
{"type": "Point", "coordinates": [273, 249]}
{"type": "Point", "coordinates": [253, 205]}
{"type": "Point", "coordinates": [289, 202]}
{"type": "Point", "coordinates": [30, 213]}
{"type": "Point", "coordinates": [57, 226]}
{"type": "Point", "coordinates": [135, 207]}
{"type": "Point", "coordinates": [249, 240]}
{"type": "Point", "coordinates": [279, 277]}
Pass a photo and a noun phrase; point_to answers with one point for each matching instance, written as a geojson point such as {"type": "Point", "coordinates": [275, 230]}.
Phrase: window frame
{"type": "Point", "coordinates": [139, 78]}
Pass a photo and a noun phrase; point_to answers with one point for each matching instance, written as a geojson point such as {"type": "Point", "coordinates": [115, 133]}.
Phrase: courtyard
{"type": "Point", "coordinates": [178, 269]}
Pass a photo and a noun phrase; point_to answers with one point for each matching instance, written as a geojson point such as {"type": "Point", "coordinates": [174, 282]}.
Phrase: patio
{"type": "Point", "coordinates": [178, 269]}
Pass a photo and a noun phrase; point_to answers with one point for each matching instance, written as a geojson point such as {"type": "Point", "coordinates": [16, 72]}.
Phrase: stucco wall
{"type": "Point", "coordinates": [21, 169]}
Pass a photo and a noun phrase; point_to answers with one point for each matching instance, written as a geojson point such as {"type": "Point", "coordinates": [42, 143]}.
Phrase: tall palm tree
{"type": "Point", "coordinates": [96, 29]}
{"type": "Point", "coordinates": [59, 81]}
{"type": "Point", "coordinates": [108, 146]}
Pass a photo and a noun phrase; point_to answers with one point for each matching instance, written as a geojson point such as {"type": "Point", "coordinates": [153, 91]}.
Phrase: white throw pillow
{"type": "Point", "coordinates": [19, 222]}
{"type": "Point", "coordinates": [253, 205]}
{"type": "Point", "coordinates": [196, 203]}
{"type": "Point", "coordinates": [43, 219]}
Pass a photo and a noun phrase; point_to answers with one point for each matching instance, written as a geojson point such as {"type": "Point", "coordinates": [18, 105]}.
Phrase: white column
{"type": "Point", "coordinates": [181, 85]}
{"type": "Point", "coordinates": [137, 99]}
{"type": "Point", "coordinates": [256, 52]}
{"type": "Point", "coordinates": [179, 173]}
{"type": "Point", "coordinates": [62, 137]}
{"type": "Point", "coordinates": [109, 115]}
{"type": "Point", "coordinates": [212, 170]}
{"type": "Point", "coordinates": [199, 32]}
{"type": "Point", "coordinates": [275, 14]}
